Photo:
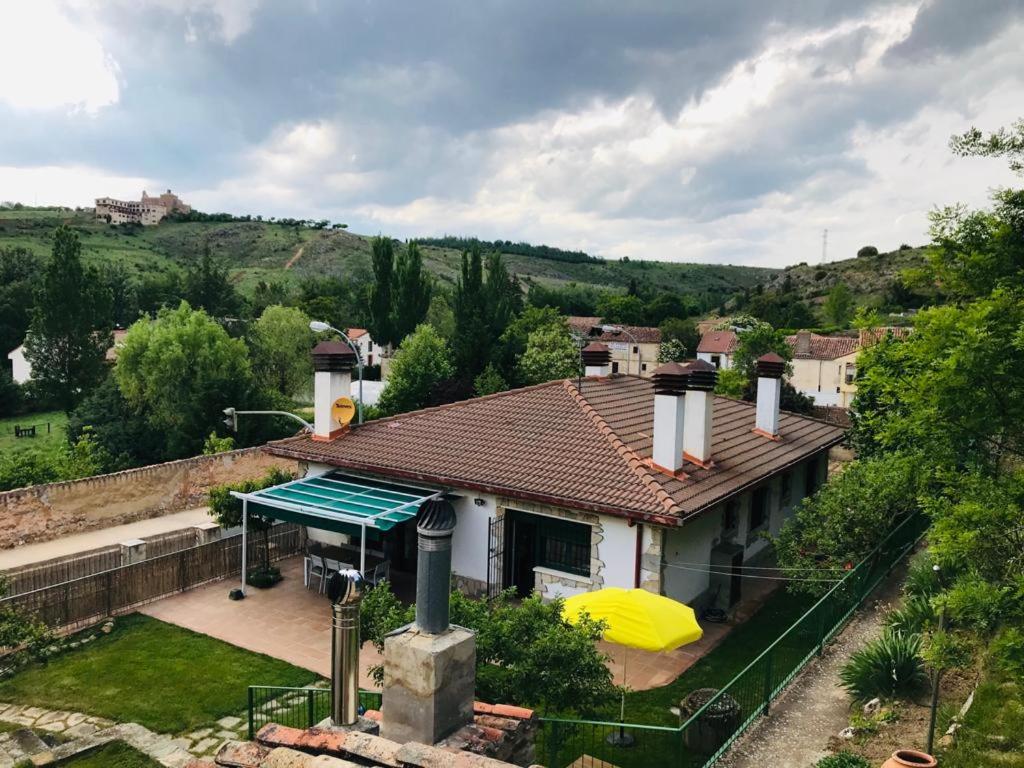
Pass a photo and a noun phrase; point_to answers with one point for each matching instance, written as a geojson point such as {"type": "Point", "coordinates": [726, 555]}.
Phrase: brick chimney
{"type": "Point", "coordinates": [670, 382]}
{"type": "Point", "coordinates": [597, 359]}
{"type": "Point", "coordinates": [770, 368]}
{"type": "Point", "coordinates": [803, 344]}
{"type": "Point", "coordinates": [332, 378]}
{"type": "Point", "coordinates": [700, 408]}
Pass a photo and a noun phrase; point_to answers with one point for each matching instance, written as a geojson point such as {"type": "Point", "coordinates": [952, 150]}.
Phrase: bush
{"type": "Point", "coordinates": [843, 760]}
{"type": "Point", "coordinates": [922, 579]}
{"type": "Point", "coordinates": [913, 617]}
{"type": "Point", "coordinates": [263, 578]}
{"type": "Point", "coordinates": [975, 604]}
{"type": "Point", "coordinates": [867, 250]}
{"type": "Point", "coordinates": [1008, 652]}
{"type": "Point", "coordinates": [889, 666]}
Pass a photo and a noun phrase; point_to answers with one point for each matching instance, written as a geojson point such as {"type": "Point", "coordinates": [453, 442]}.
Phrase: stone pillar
{"type": "Point", "coordinates": [207, 533]}
{"type": "Point", "coordinates": [133, 551]}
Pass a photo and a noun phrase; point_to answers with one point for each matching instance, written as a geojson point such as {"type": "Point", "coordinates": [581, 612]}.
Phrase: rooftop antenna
{"type": "Point", "coordinates": [824, 246]}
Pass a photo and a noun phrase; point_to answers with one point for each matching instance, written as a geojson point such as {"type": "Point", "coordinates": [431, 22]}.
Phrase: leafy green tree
{"type": "Point", "coordinates": [208, 287]}
{"type": "Point", "coordinates": [120, 286]}
{"type": "Point", "coordinates": [731, 383]}
{"type": "Point", "coordinates": [20, 469]}
{"type": "Point", "coordinates": [621, 309]}
{"type": "Point", "coordinates": [227, 510]}
{"type": "Point", "coordinates": [867, 251]}
{"type": "Point", "coordinates": [667, 306]}
{"type": "Point", "coordinates": [683, 331]}
{"type": "Point", "coordinates": [754, 339]}
{"type": "Point", "coordinates": [10, 395]}
{"type": "Point", "coordinates": [503, 298]}
{"type": "Point", "coordinates": [126, 437]}
{"type": "Point", "coordinates": [20, 271]}
{"type": "Point", "coordinates": [440, 315]}
{"type": "Point", "coordinates": [420, 367]}
{"type": "Point", "coordinates": [381, 304]}
{"type": "Point", "coordinates": [838, 306]}
{"type": "Point", "coordinates": [472, 340]}
{"type": "Point", "coordinates": [411, 292]}
{"type": "Point", "coordinates": [512, 344]}
{"type": "Point", "coordinates": [281, 350]}
{"type": "Point", "coordinates": [551, 353]}
{"type": "Point", "coordinates": [268, 294]}
{"type": "Point", "coordinates": [489, 381]}
{"type": "Point", "coordinates": [671, 351]}
{"type": "Point", "coordinates": [1005, 142]}
{"type": "Point", "coordinates": [70, 332]}
{"type": "Point", "coordinates": [181, 370]}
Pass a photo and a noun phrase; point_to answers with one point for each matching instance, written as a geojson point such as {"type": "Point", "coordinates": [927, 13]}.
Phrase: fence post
{"type": "Point", "coordinates": [822, 631]}
{"type": "Point", "coordinates": [110, 593]}
{"type": "Point", "coordinates": [768, 680]}
{"type": "Point", "coordinates": [310, 709]}
{"type": "Point", "coordinates": [182, 577]}
{"type": "Point", "coordinates": [252, 735]}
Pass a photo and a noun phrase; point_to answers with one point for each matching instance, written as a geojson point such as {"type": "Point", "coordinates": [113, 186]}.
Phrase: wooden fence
{"type": "Point", "coordinates": [84, 600]}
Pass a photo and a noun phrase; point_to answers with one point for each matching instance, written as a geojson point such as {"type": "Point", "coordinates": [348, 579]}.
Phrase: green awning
{"type": "Point", "coordinates": [340, 503]}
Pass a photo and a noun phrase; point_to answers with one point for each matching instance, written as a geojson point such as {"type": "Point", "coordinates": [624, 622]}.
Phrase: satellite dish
{"type": "Point", "coordinates": [343, 410]}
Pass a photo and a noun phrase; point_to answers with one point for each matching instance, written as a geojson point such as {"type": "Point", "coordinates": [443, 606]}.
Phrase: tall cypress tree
{"type": "Point", "coordinates": [411, 292]}
{"type": "Point", "coordinates": [472, 342]}
{"type": "Point", "coordinates": [381, 317]}
{"type": "Point", "coordinates": [70, 332]}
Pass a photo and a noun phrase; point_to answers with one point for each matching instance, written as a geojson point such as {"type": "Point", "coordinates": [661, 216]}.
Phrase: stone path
{"type": "Point", "coordinates": [75, 732]}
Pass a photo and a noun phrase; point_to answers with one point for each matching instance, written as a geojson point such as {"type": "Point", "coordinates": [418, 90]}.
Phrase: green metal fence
{"type": "Point", "coordinates": [296, 707]}
{"type": "Point", "coordinates": [703, 737]}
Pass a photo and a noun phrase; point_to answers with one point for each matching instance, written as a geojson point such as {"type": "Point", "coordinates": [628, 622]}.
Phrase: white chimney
{"type": "Point", "coordinates": [700, 411]}
{"type": "Point", "coordinates": [669, 403]}
{"type": "Point", "coordinates": [770, 368]}
{"type": "Point", "coordinates": [332, 378]}
{"type": "Point", "coordinates": [597, 359]}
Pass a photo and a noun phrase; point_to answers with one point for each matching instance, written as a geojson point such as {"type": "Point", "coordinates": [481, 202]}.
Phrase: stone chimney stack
{"type": "Point", "coordinates": [803, 344]}
{"type": "Point", "coordinates": [332, 378]}
{"type": "Point", "coordinates": [597, 359]}
{"type": "Point", "coordinates": [430, 666]}
{"type": "Point", "coordinates": [670, 382]}
{"type": "Point", "coordinates": [700, 411]}
{"type": "Point", "coordinates": [770, 368]}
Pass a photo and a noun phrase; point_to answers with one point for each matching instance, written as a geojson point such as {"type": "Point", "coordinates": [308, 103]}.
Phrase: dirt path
{"type": "Point", "coordinates": [814, 707]}
{"type": "Point", "coordinates": [295, 257]}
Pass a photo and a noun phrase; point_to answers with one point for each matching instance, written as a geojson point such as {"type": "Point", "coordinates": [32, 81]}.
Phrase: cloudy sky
{"type": "Point", "coordinates": [711, 130]}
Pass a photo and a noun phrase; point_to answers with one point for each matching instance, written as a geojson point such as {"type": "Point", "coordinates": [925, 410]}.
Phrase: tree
{"type": "Point", "coordinates": [120, 285]}
{"type": "Point", "coordinates": [227, 510]}
{"type": "Point", "coordinates": [381, 314]}
{"type": "Point", "coordinates": [440, 315]}
{"type": "Point", "coordinates": [208, 287]}
{"type": "Point", "coordinates": [503, 298]}
{"type": "Point", "coordinates": [551, 353]}
{"type": "Point", "coordinates": [20, 271]}
{"type": "Point", "coordinates": [489, 382]}
{"type": "Point", "coordinates": [683, 331]}
{"type": "Point", "coordinates": [1008, 143]}
{"type": "Point", "coordinates": [512, 344]}
{"type": "Point", "coordinates": [126, 437]}
{"type": "Point", "coordinates": [867, 251]}
{"type": "Point", "coordinates": [619, 309]}
{"type": "Point", "coordinates": [665, 306]}
{"type": "Point", "coordinates": [838, 306]}
{"type": "Point", "coordinates": [411, 292]}
{"type": "Point", "coordinates": [472, 342]}
{"type": "Point", "coordinates": [281, 350]}
{"type": "Point", "coordinates": [181, 370]}
{"type": "Point", "coordinates": [70, 332]}
{"type": "Point", "coordinates": [671, 351]}
{"type": "Point", "coordinates": [10, 395]}
{"type": "Point", "coordinates": [420, 366]}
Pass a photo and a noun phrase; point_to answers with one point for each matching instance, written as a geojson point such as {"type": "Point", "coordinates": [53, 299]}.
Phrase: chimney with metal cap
{"type": "Point", "coordinates": [332, 378]}
{"type": "Point", "coordinates": [597, 359]}
{"type": "Point", "coordinates": [700, 408]}
{"type": "Point", "coordinates": [435, 526]}
{"type": "Point", "coordinates": [670, 382]}
{"type": "Point", "coordinates": [770, 368]}
{"type": "Point", "coordinates": [345, 590]}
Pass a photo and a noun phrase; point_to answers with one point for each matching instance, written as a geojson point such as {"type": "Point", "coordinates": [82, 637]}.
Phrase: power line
{"type": "Point", "coordinates": [730, 574]}
{"type": "Point", "coordinates": [767, 567]}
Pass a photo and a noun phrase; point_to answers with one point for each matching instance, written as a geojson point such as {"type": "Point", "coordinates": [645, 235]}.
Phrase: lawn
{"type": "Point", "coordinates": [116, 754]}
{"type": "Point", "coordinates": [164, 677]}
{"type": "Point", "coordinates": [44, 440]}
{"type": "Point", "coordinates": [993, 732]}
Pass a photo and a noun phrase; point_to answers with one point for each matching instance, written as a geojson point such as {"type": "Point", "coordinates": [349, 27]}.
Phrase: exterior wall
{"type": "Point", "coordinates": [825, 380]}
{"type": "Point", "coordinates": [369, 350]}
{"type": "Point", "coordinates": [43, 512]}
{"type": "Point", "coordinates": [641, 363]}
{"type": "Point", "coordinates": [21, 368]}
{"type": "Point", "coordinates": [471, 542]}
{"type": "Point", "coordinates": [685, 546]}
{"type": "Point", "coordinates": [148, 212]}
{"type": "Point", "coordinates": [724, 361]}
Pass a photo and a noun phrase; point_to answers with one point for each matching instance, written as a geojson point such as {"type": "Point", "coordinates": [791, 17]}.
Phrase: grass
{"type": "Point", "coordinates": [992, 735]}
{"type": "Point", "coordinates": [46, 441]}
{"type": "Point", "coordinates": [116, 754]}
{"type": "Point", "coordinates": [164, 677]}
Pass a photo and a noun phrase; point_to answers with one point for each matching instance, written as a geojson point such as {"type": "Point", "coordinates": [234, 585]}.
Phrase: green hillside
{"type": "Point", "coordinates": [258, 251]}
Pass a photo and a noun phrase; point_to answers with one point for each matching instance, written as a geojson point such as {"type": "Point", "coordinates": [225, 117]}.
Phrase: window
{"type": "Point", "coordinates": [786, 496]}
{"type": "Point", "coordinates": [643, 366]}
{"type": "Point", "coordinates": [615, 367]}
{"type": "Point", "coordinates": [759, 509]}
{"type": "Point", "coordinates": [563, 545]}
{"type": "Point", "coordinates": [730, 518]}
{"type": "Point", "coordinates": [813, 474]}
{"type": "Point", "coordinates": [716, 360]}
{"type": "Point", "coordinates": [636, 350]}
{"type": "Point", "coordinates": [851, 373]}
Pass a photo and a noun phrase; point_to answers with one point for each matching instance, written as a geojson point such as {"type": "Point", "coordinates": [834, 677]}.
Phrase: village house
{"type": "Point", "coordinates": [717, 348]}
{"type": "Point", "coordinates": [148, 211]}
{"type": "Point", "coordinates": [21, 368]}
{"type": "Point", "coordinates": [825, 367]}
{"type": "Point", "coordinates": [370, 352]}
{"type": "Point", "coordinates": [564, 487]}
{"type": "Point", "coordinates": [634, 348]}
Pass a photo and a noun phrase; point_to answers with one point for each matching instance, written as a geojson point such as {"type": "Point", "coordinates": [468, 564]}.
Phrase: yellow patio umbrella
{"type": "Point", "coordinates": [635, 618]}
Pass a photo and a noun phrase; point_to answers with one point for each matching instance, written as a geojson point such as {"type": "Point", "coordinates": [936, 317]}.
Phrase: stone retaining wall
{"type": "Point", "coordinates": [44, 512]}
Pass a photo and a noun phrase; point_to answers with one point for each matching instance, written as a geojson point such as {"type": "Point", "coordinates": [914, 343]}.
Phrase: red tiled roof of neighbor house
{"type": "Point", "coordinates": [355, 333]}
{"type": "Point", "coordinates": [590, 327]}
{"type": "Point", "coordinates": [869, 336]}
{"type": "Point", "coordinates": [718, 343]}
{"type": "Point", "coordinates": [825, 347]}
{"type": "Point", "coordinates": [585, 448]}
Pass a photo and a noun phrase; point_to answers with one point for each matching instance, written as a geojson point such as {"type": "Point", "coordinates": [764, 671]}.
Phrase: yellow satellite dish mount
{"type": "Point", "coordinates": [343, 410]}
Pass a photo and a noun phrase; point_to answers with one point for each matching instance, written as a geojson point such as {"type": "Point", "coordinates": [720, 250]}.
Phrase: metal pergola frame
{"type": "Point", "coordinates": [358, 491]}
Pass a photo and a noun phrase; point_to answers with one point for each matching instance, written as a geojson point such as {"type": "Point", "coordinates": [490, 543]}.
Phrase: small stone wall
{"type": "Point", "coordinates": [44, 512]}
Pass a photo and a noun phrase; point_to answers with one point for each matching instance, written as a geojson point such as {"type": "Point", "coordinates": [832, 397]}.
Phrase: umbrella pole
{"type": "Point", "coordinates": [622, 739]}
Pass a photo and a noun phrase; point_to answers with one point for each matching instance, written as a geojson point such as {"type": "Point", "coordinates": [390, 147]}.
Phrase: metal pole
{"type": "Point", "coordinates": [245, 526]}
{"type": "Point", "coordinates": [346, 592]}
{"type": "Point", "coordinates": [362, 548]}
{"type": "Point", "coordinates": [935, 691]}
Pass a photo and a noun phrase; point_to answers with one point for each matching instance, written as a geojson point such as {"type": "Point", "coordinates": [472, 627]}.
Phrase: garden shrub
{"type": "Point", "coordinates": [947, 650]}
{"type": "Point", "coordinates": [912, 617]}
{"type": "Point", "coordinates": [1007, 651]}
{"type": "Point", "coordinates": [843, 760]}
{"type": "Point", "coordinates": [889, 666]}
{"type": "Point", "coordinates": [922, 579]}
{"type": "Point", "coordinates": [975, 604]}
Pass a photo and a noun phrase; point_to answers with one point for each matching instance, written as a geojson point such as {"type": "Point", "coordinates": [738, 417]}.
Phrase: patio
{"type": "Point", "coordinates": [292, 623]}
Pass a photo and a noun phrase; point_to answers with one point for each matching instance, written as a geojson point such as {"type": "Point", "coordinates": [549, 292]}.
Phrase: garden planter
{"type": "Point", "coordinates": [715, 725]}
{"type": "Point", "coordinates": [910, 758]}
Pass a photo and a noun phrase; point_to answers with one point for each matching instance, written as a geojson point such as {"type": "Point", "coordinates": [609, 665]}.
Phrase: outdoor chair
{"type": "Point", "coordinates": [331, 566]}
{"type": "Point", "coordinates": [380, 572]}
{"type": "Point", "coordinates": [316, 568]}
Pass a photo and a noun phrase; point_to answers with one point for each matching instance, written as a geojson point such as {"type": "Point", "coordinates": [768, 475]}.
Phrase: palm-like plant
{"type": "Point", "coordinates": [889, 667]}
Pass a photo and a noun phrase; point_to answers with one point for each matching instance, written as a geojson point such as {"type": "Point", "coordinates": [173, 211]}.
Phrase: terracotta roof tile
{"type": "Point", "coordinates": [590, 327]}
{"type": "Point", "coordinates": [583, 444]}
{"type": "Point", "coordinates": [825, 347]}
{"type": "Point", "coordinates": [718, 342]}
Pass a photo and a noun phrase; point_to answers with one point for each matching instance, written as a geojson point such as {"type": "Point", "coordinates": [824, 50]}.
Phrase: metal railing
{"type": "Point", "coordinates": [296, 707]}
{"type": "Point", "coordinates": [704, 736]}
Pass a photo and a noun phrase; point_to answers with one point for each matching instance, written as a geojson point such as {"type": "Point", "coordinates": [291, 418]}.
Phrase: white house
{"type": "Point", "coordinates": [21, 368]}
{"type": "Point", "coordinates": [718, 348]}
{"type": "Point", "coordinates": [369, 351]}
{"type": "Point", "coordinates": [567, 486]}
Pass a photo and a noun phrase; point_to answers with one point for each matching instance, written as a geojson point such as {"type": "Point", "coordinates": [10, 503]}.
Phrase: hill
{"type": "Point", "coordinates": [259, 250]}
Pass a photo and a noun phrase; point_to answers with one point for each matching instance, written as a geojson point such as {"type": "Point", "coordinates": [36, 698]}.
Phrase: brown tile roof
{"type": "Point", "coordinates": [826, 347]}
{"type": "Point", "coordinates": [869, 336]}
{"type": "Point", "coordinates": [718, 342]}
{"type": "Point", "coordinates": [555, 444]}
{"type": "Point", "coordinates": [588, 326]}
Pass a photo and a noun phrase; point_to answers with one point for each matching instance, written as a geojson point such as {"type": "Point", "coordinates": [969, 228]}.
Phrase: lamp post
{"type": "Point", "coordinates": [318, 326]}
{"type": "Point", "coordinates": [233, 413]}
{"type": "Point", "coordinates": [617, 329]}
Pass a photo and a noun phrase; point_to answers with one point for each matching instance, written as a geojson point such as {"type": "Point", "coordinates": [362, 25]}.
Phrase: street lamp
{"type": "Point", "coordinates": [318, 326]}
{"type": "Point", "coordinates": [617, 329]}
{"type": "Point", "coordinates": [233, 413]}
